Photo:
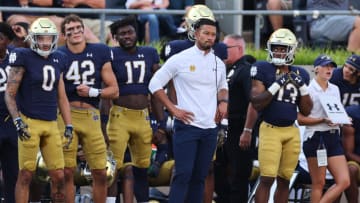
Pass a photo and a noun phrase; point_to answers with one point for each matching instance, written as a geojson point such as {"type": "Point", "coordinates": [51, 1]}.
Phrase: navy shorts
{"type": "Point", "coordinates": [331, 142]}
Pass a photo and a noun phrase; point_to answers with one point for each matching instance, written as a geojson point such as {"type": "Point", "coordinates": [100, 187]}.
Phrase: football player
{"type": "Point", "coordinates": [8, 137]}
{"type": "Point", "coordinates": [173, 47]}
{"type": "Point", "coordinates": [278, 89]}
{"type": "Point", "coordinates": [348, 80]}
{"type": "Point", "coordinates": [129, 122]}
{"type": "Point", "coordinates": [34, 91]}
{"type": "Point", "coordinates": [90, 66]}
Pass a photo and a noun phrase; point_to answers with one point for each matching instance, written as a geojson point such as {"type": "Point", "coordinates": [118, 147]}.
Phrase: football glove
{"type": "Point", "coordinates": [282, 80]}
{"type": "Point", "coordinates": [279, 82]}
{"type": "Point", "coordinates": [68, 134]}
{"type": "Point", "coordinates": [296, 79]}
{"type": "Point", "coordinates": [22, 129]}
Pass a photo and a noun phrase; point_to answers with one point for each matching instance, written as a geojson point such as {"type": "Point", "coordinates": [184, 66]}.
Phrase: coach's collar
{"type": "Point", "coordinates": [202, 52]}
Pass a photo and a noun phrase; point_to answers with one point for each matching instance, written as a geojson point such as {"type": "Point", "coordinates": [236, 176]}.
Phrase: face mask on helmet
{"type": "Point", "coordinates": [282, 38]}
{"type": "Point", "coordinates": [43, 36]}
{"type": "Point", "coordinates": [83, 174]}
{"type": "Point", "coordinates": [41, 173]}
{"type": "Point", "coordinates": [196, 13]}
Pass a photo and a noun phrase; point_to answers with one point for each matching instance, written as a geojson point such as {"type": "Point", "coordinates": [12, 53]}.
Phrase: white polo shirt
{"type": "Point", "coordinates": [197, 78]}
{"type": "Point", "coordinates": [316, 92]}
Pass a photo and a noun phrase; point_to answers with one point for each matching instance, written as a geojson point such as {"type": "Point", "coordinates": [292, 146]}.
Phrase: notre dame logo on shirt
{"type": "Point", "coordinates": [192, 68]}
{"type": "Point", "coordinates": [12, 58]}
{"type": "Point", "coordinates": [253, 71]}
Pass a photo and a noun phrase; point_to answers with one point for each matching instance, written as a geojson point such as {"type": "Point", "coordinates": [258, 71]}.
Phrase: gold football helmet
{"type": "Point", "coordinates": [282, 37]}
{"type": "Point", "coordinates": [110, 167]}
{"type": "Point", "coordinates": [43, 26]}
{"type": "Point", "coordinates": [41, 172]}
{"type": "Point", "coordinates": [195, 13]}
{"type": "Point", "coordinates": [83, 174]}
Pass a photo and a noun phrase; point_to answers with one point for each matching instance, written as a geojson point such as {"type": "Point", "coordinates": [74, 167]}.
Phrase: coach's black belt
{"type": "Point", "coordinates": [332, 131]}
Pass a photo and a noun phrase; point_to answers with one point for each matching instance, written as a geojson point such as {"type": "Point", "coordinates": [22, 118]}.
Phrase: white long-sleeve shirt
{"type": "Point", "coordinates": [316, 92]}
{"type": "Point", "coordinates": [197, 79]}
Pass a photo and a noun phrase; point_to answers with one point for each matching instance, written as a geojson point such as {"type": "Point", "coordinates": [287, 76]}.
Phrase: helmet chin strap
{"type": "Point", "coordinates": [43, 53]}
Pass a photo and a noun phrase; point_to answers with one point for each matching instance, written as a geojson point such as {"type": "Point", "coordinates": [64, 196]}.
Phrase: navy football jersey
{"type": "Point", "coordinates": [38, 91]}
{"type": "Point", "coordinates": [134, 71]}
{"type": "Point", "coordinates": [350, 94]}
{"type": "Point", "coordinates": [4, 73]}
{"type": "Point", "coordinates": [176, 46]}
{"type": "Point", "coordinates": [85, 68]}
{"type": "Point", "coordinates": [354, 112]}
{"type": "Point", "coordinates": [282, 110]}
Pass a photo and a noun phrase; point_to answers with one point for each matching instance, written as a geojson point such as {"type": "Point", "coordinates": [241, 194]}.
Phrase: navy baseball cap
{"type": "Point", "coordinates": [354, 60]}
{"type": "Point", "coordinates": [324, 60]}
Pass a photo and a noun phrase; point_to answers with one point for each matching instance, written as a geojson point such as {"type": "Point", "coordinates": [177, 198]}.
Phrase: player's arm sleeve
{"type": "Point", "coordinates": [108, 54]}
{"type": "Point", "coordinates": [306, 77]}
{"type": "Point", "coordinates": [17, 57]}
{"type": "Point", "coordinates": [156, 57]}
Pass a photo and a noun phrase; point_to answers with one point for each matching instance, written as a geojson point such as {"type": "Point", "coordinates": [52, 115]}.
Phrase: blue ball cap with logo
{"type": "Point", "coordinates": [354, 60]}
{"type": "Point", "coordinates": [324, 60]}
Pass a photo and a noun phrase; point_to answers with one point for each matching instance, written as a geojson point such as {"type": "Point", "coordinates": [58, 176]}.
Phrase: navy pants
{"type": "Point", "coordinates": [240, 162]}
{"type": "Point", "coordinates": [193, 152]}
{"type": "Point", "coordinates": [9, 157]}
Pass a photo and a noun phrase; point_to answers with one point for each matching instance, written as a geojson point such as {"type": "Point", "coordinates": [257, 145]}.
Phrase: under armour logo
{"type": "Point", "coordinates": [56, 60]}
{"type": "Point", "coordinates": [89, 55]}
{"type": "Point", "coordinates": [140, 55]}
{"type": "Point", "coordinates": [335, 107]}
{"type": "Point", "coordinates": [282, 80]}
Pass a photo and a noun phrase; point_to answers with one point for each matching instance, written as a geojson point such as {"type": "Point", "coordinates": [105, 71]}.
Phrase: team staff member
{"type": "Point", "coordinates": [278, 89]}
{"type": "Point", "coordinates": [239, 148]}
{"type": "Point", "coordinates": [321, 133]}
{"type": "Point", "coordinates": [90, 66]}
{"type": "Point", "coordinates": [35, 85]}
{"type": "Point", "coordinates": [348, 80]}
{"type": "Point", "coordinates": [8, 136]}
{"type": "Point", "coordinates": [201, 90]}
{"type": "Point", "coordinates": [133, 66]}
{"type": "Point", "coordinates": [176, 46]}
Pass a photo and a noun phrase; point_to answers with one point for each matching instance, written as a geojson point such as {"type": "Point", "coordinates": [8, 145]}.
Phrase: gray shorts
{"type": "Point", "coordinates": [334, 28]}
